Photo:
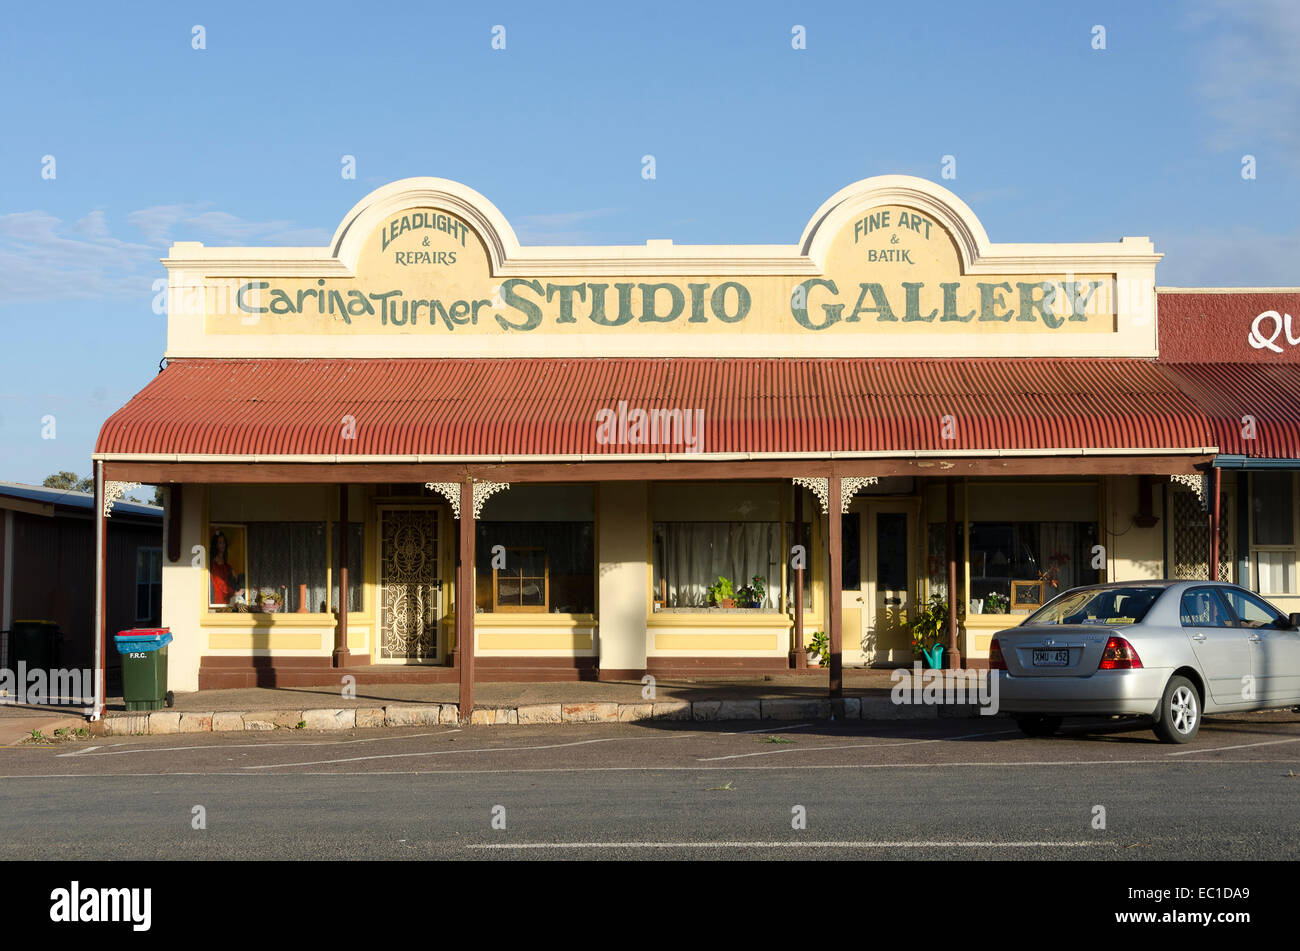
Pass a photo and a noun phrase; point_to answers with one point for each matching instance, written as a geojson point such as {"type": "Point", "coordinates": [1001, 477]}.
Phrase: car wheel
{"type": "Point", "coordinates": [1038, 725]}
{"type": "Point", "coordinates": [1179, 716]}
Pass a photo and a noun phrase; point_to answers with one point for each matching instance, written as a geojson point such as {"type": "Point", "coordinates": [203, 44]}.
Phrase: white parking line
{"type": "Point", "coordinates": [852, 746]}
{"type": "Point", "coordinates": [487, 749]}
{"type": "Point", "coordinates": [77, 752]}
{"type": "Point", "coordinates": [259, 746]}
{"type": "Point", "coordinates": [914, 844]}
{"type": "Point", "coordinates": [774, 729]}
{"type": "Point", "coordinates": [1240, 746]}
{"type": "Point", "coordinates": [516, 770]}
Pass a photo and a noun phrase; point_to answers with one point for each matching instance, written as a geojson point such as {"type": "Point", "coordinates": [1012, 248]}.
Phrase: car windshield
{"type": "Point", "coordinates": [1098, 606]}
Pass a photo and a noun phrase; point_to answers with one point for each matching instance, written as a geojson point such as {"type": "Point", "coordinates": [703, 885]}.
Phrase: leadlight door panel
{"type": "Point", "coordinates": [410, 584]}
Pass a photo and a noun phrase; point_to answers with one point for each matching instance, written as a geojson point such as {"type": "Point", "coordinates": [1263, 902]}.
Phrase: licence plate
{"type": "Point", "coordinates": [1058, 658]}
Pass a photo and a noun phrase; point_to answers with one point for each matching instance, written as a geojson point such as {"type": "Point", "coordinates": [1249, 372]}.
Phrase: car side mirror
{"type": "Point", "coordinates": [1295, 620]}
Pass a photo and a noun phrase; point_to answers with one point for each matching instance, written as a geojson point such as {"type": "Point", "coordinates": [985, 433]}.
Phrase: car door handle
{"type": "Point", "coordinates": [1198, 637]}
{"type": "Point", "coordinates": [1254, 638]}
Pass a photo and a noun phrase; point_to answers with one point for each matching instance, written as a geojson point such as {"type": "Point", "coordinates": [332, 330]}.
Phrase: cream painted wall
{"type": "Point", "coordinates": [182, 593]}
{"type": "Point", "coordinates": [622, 527]}
{"type": "Point", "coordinates": [1132, 553]}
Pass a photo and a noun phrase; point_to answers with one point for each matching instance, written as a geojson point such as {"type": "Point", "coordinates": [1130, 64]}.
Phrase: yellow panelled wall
{"type": "Point", "coordinates": [1131, 552]}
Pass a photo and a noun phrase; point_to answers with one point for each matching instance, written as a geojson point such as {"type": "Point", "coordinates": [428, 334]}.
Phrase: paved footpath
{"type": "Point", "coordinates": [346, 707]}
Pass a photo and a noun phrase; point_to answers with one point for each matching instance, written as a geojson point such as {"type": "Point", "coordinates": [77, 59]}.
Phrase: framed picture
{"type": "Point", "coordinates": [227, 564]}
{"type": "Point", "coordinates": [1026, 595]}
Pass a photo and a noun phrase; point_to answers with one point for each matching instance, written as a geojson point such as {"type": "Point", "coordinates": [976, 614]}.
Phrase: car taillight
{"type": "Point", "coordinates": [996, 660]}
{"type": "Point", "coordinates": [1119, 655]}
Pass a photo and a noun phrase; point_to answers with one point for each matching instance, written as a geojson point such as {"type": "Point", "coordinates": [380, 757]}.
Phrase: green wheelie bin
{"type": "Point", "coordinates": [144, 667]}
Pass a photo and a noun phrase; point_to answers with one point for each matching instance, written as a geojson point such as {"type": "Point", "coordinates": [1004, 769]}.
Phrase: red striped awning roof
{"type": "Point", "coordinates": [552, 407]}
{"type": "Point", "coordinates": [1253, 408]}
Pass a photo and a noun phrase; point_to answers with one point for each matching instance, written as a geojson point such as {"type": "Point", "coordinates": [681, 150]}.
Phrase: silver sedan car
{"type": "Point", "coordinates": [1168, 650]}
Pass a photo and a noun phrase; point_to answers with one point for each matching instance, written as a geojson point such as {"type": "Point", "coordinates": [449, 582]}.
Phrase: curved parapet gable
{"type": "Point", "coordinates": [892, 265]}
{"type": "Point", "coordinates": [370, 213]}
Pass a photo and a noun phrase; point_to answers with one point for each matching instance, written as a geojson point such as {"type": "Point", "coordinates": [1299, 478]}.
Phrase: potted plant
{"type": "Point", "coordinates": [995, 603]}
{"type": "Point", "coordinates": [722, 594]}
{"type": "Point", "coordinates": [752, 595]}
{"type": "Point", "coordinates": [819, 648]}
{"type": "Point", "coordinates": [929, 628]}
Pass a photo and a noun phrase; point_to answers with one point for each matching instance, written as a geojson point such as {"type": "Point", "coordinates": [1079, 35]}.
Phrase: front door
{"type": "Point", "coordinates": [410, 584]}
{"type": "Point", "coordinates": [889, 530]}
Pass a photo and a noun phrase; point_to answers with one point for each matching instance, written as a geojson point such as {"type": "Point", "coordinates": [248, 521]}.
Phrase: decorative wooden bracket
{"type": "Point", "coordinates": [820, 487]}
{"type": "Point", "coordinates": [451, 492]}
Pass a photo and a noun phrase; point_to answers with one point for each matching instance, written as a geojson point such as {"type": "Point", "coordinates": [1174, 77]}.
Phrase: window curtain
{"type": "Point", "coordinates": [356, 561]}
{"type": "Point", "coordinates": [283, 555]}
{"type": "Point", "coordinates": [696, 553]}
{"type": "Point", "coordinates": [1060, 540]}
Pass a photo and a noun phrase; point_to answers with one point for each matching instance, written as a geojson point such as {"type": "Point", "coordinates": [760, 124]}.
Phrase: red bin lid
{"type": "Point", "coordinates": [139, 632]}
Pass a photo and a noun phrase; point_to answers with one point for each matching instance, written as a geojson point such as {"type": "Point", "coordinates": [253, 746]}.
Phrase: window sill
{"type": "Point", "coordinates": [713, 612]}
{"type": "Point", "coordinates": [277, 619]}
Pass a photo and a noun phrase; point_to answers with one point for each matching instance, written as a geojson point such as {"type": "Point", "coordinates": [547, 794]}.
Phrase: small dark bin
{"type": "Point", "coordinates": [144, 668]}
{"type": "Point", "coordinates": [34, 643]}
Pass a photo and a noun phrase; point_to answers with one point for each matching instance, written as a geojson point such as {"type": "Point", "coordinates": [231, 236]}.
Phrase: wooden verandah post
{"type": "Point", "coordinates": [341, 631]}
{"type": "Point", "coordinates": [1216, 475]}
{"type": "Point", "coordinates": [834, 605]}
{"type": "Point", "coordinates": [465, 598]}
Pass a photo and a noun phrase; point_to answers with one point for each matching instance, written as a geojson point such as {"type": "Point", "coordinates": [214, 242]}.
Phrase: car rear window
{"type": "Point", "coordinates": [1098, 606]}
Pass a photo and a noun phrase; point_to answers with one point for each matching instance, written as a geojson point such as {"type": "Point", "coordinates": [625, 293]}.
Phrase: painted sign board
{"type": "Point", "coordinates": [433, 269]}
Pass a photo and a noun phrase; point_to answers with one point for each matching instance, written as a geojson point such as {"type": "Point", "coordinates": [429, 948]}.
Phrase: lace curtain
{"type": "Point", "coordinates": [356, 576]}
{"type": "Point", "coordinates": [284, 555]}
{"type": "Point", "coordinates": [693, 554]}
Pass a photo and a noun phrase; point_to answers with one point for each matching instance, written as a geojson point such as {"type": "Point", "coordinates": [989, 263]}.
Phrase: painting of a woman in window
{"type": "Point", "coordinates": [225, 566]}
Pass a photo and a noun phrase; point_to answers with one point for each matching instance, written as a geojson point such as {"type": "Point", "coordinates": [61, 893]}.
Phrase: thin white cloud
{"type": "Point", "coordinates": [43, 257]}
{"type": "Point", "coordinates": [560, 227]}
{"type": "Point", "coordinates": [1248, 79]}
{"type": "Point", "coordinates": [1238, 257]}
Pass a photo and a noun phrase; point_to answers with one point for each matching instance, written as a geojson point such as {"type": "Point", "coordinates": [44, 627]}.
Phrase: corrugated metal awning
{"type": "Point", "coordinates": [546, 407]}
{"type": "Point", "coordinates": [1253, 408]}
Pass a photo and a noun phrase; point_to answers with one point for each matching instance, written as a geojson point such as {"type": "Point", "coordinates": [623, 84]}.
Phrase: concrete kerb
{"type": "Point", "coordinates": [448, 714]}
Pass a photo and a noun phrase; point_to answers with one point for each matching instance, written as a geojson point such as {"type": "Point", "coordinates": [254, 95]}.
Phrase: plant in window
{"type": "Point", "coordinates": [722, 594]}
{"type": "Point", "coordinates": [752, 595]}
{"type": "Point", "coordinates": [995, 603]}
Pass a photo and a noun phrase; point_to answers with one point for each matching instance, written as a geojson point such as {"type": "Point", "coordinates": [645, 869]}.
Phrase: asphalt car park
{"type": "Point", "coordinates": [967, 788]}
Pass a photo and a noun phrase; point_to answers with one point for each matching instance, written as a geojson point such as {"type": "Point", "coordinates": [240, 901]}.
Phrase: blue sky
{"type": "Point", "coordinates": [241, 143]}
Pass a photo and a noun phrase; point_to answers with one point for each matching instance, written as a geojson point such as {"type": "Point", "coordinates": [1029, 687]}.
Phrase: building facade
{"type": "Point", "coordinates": [47, 569]}
{"type": "Point", "coordinates": [560, 462]}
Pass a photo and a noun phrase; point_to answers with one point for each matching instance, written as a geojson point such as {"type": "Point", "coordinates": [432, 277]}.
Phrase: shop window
{"type": "Point", "coordinates": [1018, 566]}
{"type": "Point", "coordinates": [936, 561]}
{"type": "Point", "coordinates": [267, 567]}
{"type": "Point", "coordinates": [148, 586]}
{"type": "Point", "coordinates": [689, 557]}
{"type": "Point", "coordinates": [810, 562]}
{"type": "Point", "coordinates": [535, 551]}
{"type": "Point", "coordinates": [521, 580]}
{"type": "Point", "coordinates": [1273, 531]}
{"type": "Point", "coordinates": [356, 563]}
{"type": "Point", "coordinates": [851, 552]}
